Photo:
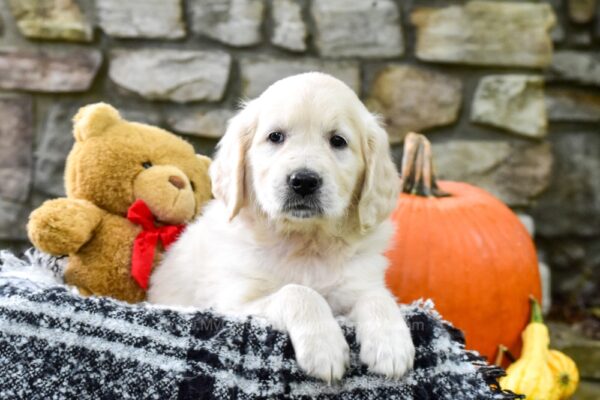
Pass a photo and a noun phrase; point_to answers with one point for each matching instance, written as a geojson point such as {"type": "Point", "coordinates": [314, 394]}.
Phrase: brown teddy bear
{"type": "Point", "coordinates": [130, 188]}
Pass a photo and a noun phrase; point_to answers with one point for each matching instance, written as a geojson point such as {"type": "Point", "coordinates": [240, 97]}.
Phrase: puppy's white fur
{"type": "Point", "coordinates": [248, 255]}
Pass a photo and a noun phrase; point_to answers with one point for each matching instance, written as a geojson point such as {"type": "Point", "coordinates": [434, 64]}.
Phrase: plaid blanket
{"type": "Point", "coordinates": [55, 344]}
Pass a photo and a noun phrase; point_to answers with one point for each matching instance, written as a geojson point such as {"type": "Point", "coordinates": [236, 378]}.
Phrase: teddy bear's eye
{"type": "Point", "coordinates": [193, 186]}
{"type": "Point", "coordinates": [147, 164]}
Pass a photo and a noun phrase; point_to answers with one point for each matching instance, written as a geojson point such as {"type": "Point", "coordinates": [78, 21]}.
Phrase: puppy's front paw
{"type": "Point", "coordinates": [322, 351]}
{"type": "Point", "coordinates": [388, 349]}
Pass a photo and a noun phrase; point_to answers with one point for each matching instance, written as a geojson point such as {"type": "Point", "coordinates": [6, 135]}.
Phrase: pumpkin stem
{"type": "Point", "coordinates": [417, 174]}
{"type": "Point", "coordinates": [502, 349]}
{"type": "Point", "coordinates": [536, 310]}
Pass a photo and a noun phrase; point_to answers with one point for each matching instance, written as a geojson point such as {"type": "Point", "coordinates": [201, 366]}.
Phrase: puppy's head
{"type": "Point", "coordinates": [307, 150]}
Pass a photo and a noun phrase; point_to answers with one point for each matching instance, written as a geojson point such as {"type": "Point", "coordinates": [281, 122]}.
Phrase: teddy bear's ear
{"type": "Point", "coordinates": [205, 160]}
{"type": "Point", "coordinates": [93, 120]}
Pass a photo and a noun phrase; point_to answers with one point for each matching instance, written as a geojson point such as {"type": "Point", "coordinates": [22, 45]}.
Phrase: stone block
{"type": "Point", "coordinates": [414, 99]}
{"type": "Point", "coordinates": [571, 205]}
{"type": "Point", "coordinates": [176, 75]}
{"type": "Point", "coordinates": [515, 172]}
{"type": "Point", "coordinates": [150, 19]}
{"type": "Point", "coordinates": [357, 28]}
{"type": "Point", "coordinates": [16, 147]}
{"type": "Point", "coordinates": [233, 22]}
{"type": "Point", "coordinates": [56, 72]}
{"type": "Point", "coordinates": [575, 66]}
{"type": "Point", "coordinates": [572, 105]}
{"type": "Point", "coordinates": [51, 20]}
{"type": "Point", "coordinates": [289, 31]}
{"type": "Point", "coordinates": [258, 73]}
{"type": "Point", "coordinates": [209, 124]}
{"type": "Point", "coordinates": [486, 33]}
{"type": "Point", "coordinates": [511, 102]}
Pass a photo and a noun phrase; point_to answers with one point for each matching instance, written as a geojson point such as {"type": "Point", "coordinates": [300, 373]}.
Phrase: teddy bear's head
{"type": "Point", "coordinates": [115, 162]}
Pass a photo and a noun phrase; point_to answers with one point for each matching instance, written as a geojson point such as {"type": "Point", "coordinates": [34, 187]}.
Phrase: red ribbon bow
{"type": "Point", "coordinates": [145, 242]}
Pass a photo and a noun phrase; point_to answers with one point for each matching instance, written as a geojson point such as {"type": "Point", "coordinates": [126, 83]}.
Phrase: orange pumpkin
{"type": "Point", "coordinates": [464, 249]}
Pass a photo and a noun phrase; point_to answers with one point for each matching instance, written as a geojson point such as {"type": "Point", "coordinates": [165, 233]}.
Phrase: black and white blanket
{"type": "Point", "coordinates": [54, 344]}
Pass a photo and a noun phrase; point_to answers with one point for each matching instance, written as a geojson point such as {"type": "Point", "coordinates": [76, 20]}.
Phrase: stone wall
{"type": "Point", "coordinates": [509, 93]}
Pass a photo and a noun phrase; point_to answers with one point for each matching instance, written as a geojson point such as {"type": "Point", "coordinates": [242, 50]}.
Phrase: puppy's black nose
{"type": "Point", "coordinates": [304, 182]}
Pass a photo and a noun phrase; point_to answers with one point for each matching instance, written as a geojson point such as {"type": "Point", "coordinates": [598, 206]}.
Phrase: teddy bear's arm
{"type": "Point", "coordinates": [62, 226]}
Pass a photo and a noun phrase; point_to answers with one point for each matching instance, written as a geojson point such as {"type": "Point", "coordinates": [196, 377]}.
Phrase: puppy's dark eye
{"type": "Point", "coordinates": [147, 164]}
{"type": "Point", "coordinates": [193, 186]}
{"type": "Point", "coordinates": [338, 142]}
{"type": "Point", "coordinates": [276, 137]}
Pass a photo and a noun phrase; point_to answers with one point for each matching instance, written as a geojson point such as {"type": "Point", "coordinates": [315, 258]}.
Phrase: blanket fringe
{"type": "Point", "coordinates": [45, 267]}
{"type": "Point", "coordinates": [490, 374]}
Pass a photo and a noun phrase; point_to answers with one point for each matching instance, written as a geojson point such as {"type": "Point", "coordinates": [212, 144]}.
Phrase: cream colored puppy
{"type": "Point", "coordinates": [304, 185]}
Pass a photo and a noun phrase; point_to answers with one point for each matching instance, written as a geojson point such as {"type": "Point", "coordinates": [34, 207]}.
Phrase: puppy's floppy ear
{"type": "Point", "coordinates": [227, 171]}
{"type": "Point", "coordinates": [381, 184]}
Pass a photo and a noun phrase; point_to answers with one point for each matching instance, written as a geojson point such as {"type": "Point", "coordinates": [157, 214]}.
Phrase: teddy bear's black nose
{"type": "Point", "coordinates": [177, 182]}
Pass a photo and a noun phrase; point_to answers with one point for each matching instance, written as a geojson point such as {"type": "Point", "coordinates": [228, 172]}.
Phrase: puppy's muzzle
{"type": "Point", "coordinates": [304, 182]}
{"type": "Point", "coordinates": [302, 198]}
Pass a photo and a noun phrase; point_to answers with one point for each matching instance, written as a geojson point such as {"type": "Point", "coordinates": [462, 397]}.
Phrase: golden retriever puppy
{"type": "Point", "coordinates": [303, 184]}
